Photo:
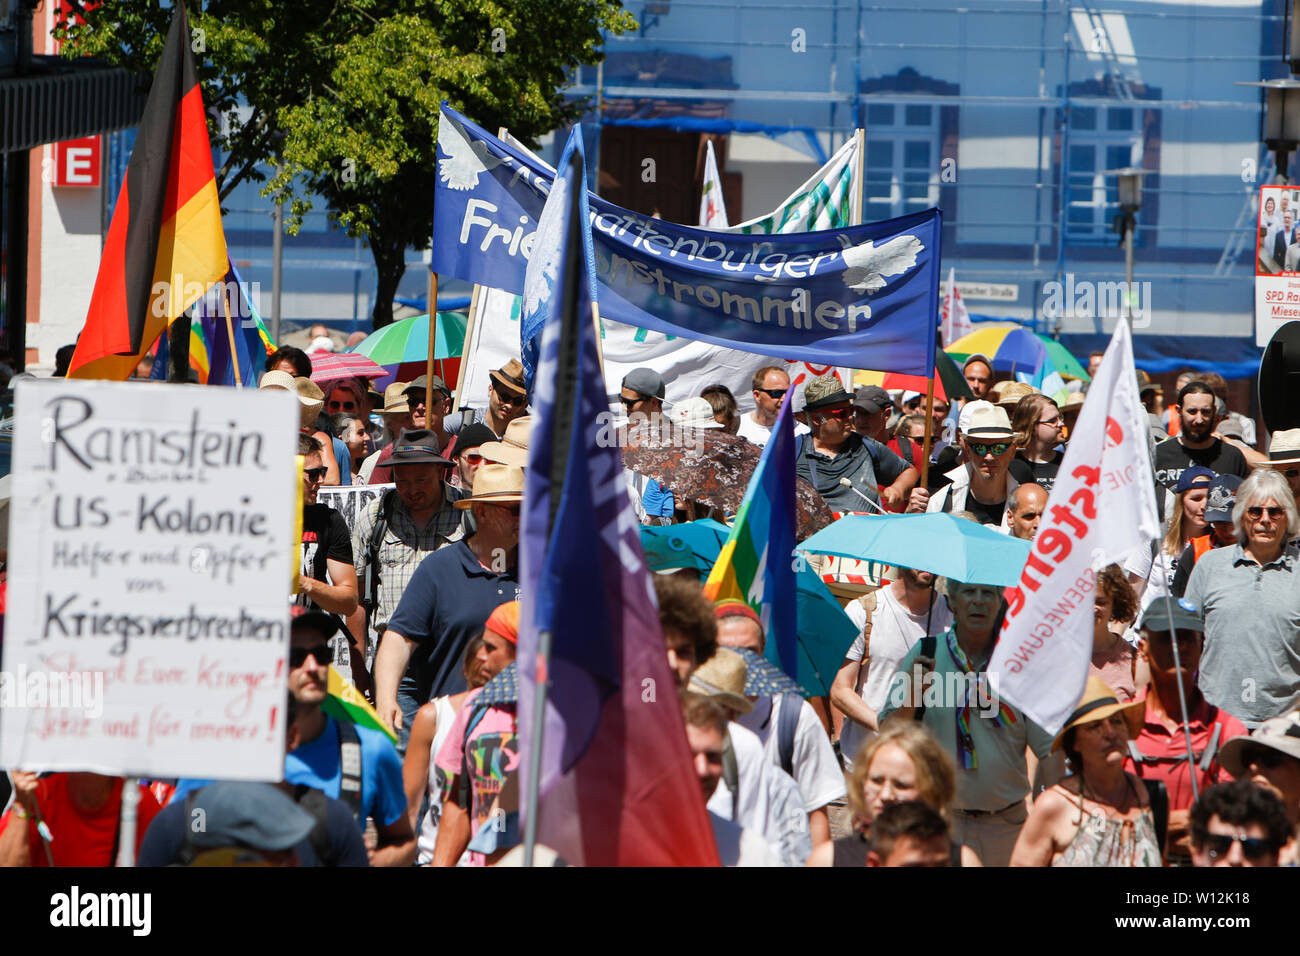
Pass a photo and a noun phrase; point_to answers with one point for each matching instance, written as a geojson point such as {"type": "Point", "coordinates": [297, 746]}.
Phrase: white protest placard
{"type": "Point", "coordinates": [351, 500]}
{"type": "Point", "coordinates": [151, 553]}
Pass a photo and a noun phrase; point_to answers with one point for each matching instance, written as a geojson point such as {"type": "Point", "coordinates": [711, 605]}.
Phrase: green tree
{"type": "Point", "coordinates": [341, 98]}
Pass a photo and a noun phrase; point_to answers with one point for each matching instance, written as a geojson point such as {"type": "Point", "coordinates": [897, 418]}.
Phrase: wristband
{"type": "Point", "coordinates": [20, 813]}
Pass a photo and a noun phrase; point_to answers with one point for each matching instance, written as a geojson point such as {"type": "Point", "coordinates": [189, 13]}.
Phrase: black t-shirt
{"type": "Point", "coordinates": [1041, 473]}
{"type": "Point", "coordinates": [324, 538]}
{"type": "Point", "coordinates": [1172, 459]}
{"type": "Point", "coordinates": [986, 514]}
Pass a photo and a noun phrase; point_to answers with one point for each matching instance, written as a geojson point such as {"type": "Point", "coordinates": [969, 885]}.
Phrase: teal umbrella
{"type": "Point", "coordinates": [825, 631]}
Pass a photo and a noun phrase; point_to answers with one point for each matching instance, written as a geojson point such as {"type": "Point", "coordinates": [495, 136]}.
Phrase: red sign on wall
{"type": "Point", "coordinates": [76, 162]}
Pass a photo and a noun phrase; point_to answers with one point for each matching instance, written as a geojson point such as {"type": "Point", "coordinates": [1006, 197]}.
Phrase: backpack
{"type": "Point", "coordinates": [370, 591]}
{"type": "Point", "coordinates": [787, 724]}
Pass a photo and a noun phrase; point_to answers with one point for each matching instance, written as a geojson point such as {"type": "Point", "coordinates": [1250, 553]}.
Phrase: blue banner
{"type": "Point", "coordinates": [864, 296]}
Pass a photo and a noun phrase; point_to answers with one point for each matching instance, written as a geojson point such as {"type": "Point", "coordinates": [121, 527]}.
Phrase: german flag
{"type": "Point", "coordinates": [165, 245]}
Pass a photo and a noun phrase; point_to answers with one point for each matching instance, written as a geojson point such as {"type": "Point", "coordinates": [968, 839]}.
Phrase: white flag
{"type": "Point", "coordinates": [713, 211]}
{"type": "Point", "coordinates": [1101, 507]}
{"type": "Point", "coordinates": [956, 320]}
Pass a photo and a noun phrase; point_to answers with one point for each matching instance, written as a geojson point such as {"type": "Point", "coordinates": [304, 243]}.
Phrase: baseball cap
{"type": "Point", "coordinates": [1184, 618]}
{"type": "Point", "coordinates": [977, 357]}
{"type": "Point", "coordinates": [1221, 498]}
{"type": "Point", "coordinates": [256, 815]}
{"type": "Point", "coordinates": [986, 421]}
{"type": "Point", "coordinates": [645, 381]}
{"type": "Point", "coordinates": [474, 436]}
{"type": "Point", "coordinates": [871, 399]}
{"type": "Point", "coordinates": [421, 385]}
{"type": "Point", "coordinates": [1194, 477]}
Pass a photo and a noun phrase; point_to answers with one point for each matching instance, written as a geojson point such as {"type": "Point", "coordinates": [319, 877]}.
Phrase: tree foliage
{"type": "Point", "coordinates": [340, 97]}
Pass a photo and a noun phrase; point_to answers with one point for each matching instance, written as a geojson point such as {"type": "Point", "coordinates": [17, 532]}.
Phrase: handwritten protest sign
{"type": "Point", "coordinates": [151, 538]}
{"type": "Point", "coordinates": [351, 500]}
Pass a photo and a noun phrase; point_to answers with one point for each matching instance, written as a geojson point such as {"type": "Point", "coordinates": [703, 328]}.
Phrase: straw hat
{"type": "Point", "coordinates": [1098, 703]}
{"type": "Point", "coordinates": [1277, 733]}
{"type": "Point", "coordinates": [512, 449]}
{"type": "Point", "coordinates": [722, 677]}
{"type": "Point", "coordinates": [1284, 448]}
{"type": "Point", "coordinates": [496, 485]}
{"type": "Point", "coordinates": [1013, 392]}
{"type": "Point", "coordinates": [395, 402]}
{"type": "Point", "coordinates": [985, 422]}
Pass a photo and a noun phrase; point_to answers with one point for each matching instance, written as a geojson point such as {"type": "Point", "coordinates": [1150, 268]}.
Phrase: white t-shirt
{"type": "Point", "coordinates": [769, 802]}
{"type": "Point", "coordinates": [815, 768]}
{"type": "Point", "coordinates": [740, 847]}
{"type": "Point", "coordinates": [894, 630]}
{"type": "Point", "coordinates": [758, 434]}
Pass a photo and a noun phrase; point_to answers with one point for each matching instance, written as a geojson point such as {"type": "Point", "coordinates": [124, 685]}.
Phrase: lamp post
{"type": "Point", "coordinates": [1130, 201]}
{"type": "Point", "coordinates": [1281, 120]}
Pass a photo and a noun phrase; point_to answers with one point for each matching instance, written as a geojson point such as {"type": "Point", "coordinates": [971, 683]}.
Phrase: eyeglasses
{"type": "Point", "coordinates": [1052, 422]}
{"type": "Point", "coordinates": [776, 393]}
{"type": "Point", "coordinates": [1260, 756]}
{"type": "Point", "coordinates": [315, 474]}
{"type": "Point", "coordinates": [1256, 512]}
{"type": "Point", "coordinates": [837, 412]}
{"type": "Point", "coordinates": [323, 653]}
{"type": "Point", "coordinates": [981, 449]}
{"type": "Point", "coordinates": [1252, 848]}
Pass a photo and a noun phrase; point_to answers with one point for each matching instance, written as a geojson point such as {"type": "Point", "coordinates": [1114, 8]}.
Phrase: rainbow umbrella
{"type": "Point", "coordinates": [1013, 348]}
{"type": "Point", "coordinates": [402, 348]}
{"type": "Point", "coordinates": [345, 702]}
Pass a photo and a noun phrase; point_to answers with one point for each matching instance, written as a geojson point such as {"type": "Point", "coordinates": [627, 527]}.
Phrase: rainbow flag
{"type": "Point", "coordinates": [757, 563]}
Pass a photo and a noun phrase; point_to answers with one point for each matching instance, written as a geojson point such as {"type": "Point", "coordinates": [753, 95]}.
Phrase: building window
{"type": "Point", "coordinates": [1101, 138]}
{"type": "Point", "coordinates": [901, 165]}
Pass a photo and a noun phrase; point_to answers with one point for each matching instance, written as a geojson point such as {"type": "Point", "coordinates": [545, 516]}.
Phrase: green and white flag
{"type": "Point", "coordinates": [825, 201]}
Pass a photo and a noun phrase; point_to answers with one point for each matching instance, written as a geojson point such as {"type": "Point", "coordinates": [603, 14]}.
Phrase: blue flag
{"type": "Point", "coordinates": [585, 583]}
{"type": "Point", "coordinates": [864, 296]}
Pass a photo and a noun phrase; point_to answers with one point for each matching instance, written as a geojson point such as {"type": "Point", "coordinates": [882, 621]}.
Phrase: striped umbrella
{"type": "Point", "coordinates": [334, 366]}
{"type": "Point", "coordinates": [402, 348]}
{"type": "Point", "coordinates": [1011, 348]}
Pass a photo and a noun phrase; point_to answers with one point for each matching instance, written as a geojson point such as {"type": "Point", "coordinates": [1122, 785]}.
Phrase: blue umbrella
{"type": "Point", "coordinates": [825, 631]}
{"type": "Point", "coordinates": [941, 543]}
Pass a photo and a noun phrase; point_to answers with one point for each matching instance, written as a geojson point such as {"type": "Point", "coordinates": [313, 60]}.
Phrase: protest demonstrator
{"type": "Point", "coordinates": [400, 529]}
{"type": "Point", "coordinates": [420, 774]}
{"type": "Point", "coordinates": [83, 809]}
{"type": "Point", "coordinates": [1220, 499]}
{"type": "Point", "coordinates": [978, 372]}
{"type": "Point", "coordinates": [1113, 659]}
{"type": "Point", "coordinates": [1036, 421]}
{"type": "Point", "coordinates": [983, 484]}
{"type": "Point", "coordinates": [1249, 596]}
{"type": "Point", "coordinates": [311, 402]}
{"type": "Point", "coordinates": [1160, 752]}
{"type": "Point", "coordinates": [328, 579]}
{"type": "Point", "coordinates": [945, 686]}
{"type": "Point", "coordinates": [449, 597]}
{"type": "Point", "coordinates": [1194, 444]}
{"type": "Point", "coordinates": [507, 397]}
{"type": "Point", "coordinates": [1100, 815]}
{"type": "Point", "coordinates": [1025, 506]}
{"type": "Point", "coordinates": [1238, 824]}
{"type": "Point", "coordinates": [910, 834]}
{"type": "Point", "coordinates": [904, 762]}
{"type": "Point", "coordinates": [429, 419]}
{"type": "Point", "coordinates": [396, 414]}
{"type": "Point", "coordinates": [834, 451]}
{"type": "Point", "coordinates": [1270, 759]}
{"type": "Point", "coordinates": [1284, 456]}
{"type": "Point", "coordinates": [768, 388]}
{"type": "Point", "coordinates": [723, 404]}
{"type": "Point", "coordinates": [891, 621]}
{"type": "Point", "coordinates": [468, 454]}
{"type": "Point", "coordinates": [479, 761]}
{"type": "Point", "coordinates": [1152, 570]}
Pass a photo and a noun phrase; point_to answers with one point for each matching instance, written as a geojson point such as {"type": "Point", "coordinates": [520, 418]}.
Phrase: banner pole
{"type": "Point", "coordinates": [230, 333]}
{"type": "Point", "coordinates": [855, 207]}
{"type": "Point", "coordinates": [433, 328]}
{"type": "Point", "coordinates": [1178, 667]}
{"type": "Point", "coordinates": [127, 825]}
{"type": "Point", "coordinates": [929, 431]}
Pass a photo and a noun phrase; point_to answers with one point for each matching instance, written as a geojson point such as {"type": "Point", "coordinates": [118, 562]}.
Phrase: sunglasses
{"type": "Point", "coordinates": [343, 406]}
{"type": "Point", "coordinates": [474, 458]}
{"type": "Point", "coordinates": [511, 400]}
{"type": "Point", "coordinates": [1265, 757]}
{"type": "Point", "coordinates": [1256, 512]}
{"type": "Point", "coordinates": [322, 652]}
{"type": "Point", "coordinates": [776, 393]}
{"type": "Point", "coordinates": [1052, 423]}
{"type": "Point", "coordinates": [837, 412]}
{"type": "Point", "coordinates": [1252, 848]}
{"type": "Point", "coordinates": [315, 474]}
{"type": "Point", "coordinates": [1292, 473]}
{"type": "Point", "coordinates": [629, 402]}
{"type": "Point", "coordinates": [981, 449]}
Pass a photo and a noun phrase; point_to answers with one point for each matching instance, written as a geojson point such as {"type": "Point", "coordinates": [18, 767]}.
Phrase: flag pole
{"type": "Point", "coordinates": [433, 328]}
{"type": "Point", "coordinates": [465, 348]}
{"type": "Point", "coordinates": [230, 331]}
{"type": "Point", "coordinates": [929, 431]}
{"type": "Point", "coordinates": [1178, 668]}
{"type": "Point", "coordinates": [128, 822]}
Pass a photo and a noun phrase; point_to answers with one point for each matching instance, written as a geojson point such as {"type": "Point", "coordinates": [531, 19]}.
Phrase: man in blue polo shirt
{"type": "Point", "coordinates": [450, 596]}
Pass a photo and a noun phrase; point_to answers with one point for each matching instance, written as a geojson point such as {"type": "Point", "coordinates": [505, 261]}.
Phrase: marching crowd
{"type": "Point", "coordinates": [1184, 749]}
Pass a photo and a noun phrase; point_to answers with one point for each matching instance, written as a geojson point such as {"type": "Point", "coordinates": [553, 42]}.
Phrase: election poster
{"type": "Point", "coordinates": [151, 542]}
{"type": "Point", "coordinates": [1277, 261]}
